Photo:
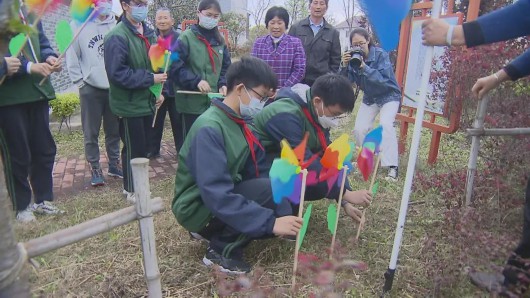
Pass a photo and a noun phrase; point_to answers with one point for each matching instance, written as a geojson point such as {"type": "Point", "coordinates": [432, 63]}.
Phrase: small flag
{"type": "Point", "coordinates": [303, 230]}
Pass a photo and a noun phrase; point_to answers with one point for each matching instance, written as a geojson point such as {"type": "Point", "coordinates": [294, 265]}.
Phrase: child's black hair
{"type": "Point", "coordinates": [251, 72]}
{"type": "Point", "coordinates": [334, 89]}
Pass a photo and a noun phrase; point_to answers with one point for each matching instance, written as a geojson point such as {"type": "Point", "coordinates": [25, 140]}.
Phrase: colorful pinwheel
{"type": "Point", "coordinates": [84, 10]}
{"type": "Point", "coordinates": [337, 155]}
{"type": "Point", "coordinates": [371, 147]}
{"type": "Point", "coordinates": [285, 176]}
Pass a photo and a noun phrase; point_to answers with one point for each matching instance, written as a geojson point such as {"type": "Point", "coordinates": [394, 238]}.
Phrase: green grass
{"type": "Point", "coordinates": [110, 265]}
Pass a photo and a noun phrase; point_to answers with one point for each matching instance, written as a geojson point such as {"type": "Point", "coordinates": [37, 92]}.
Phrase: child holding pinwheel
{"type": "Point", "coordinates": [130, 76]}
{"type": "Point", "coordinates": [219, 194]}
{"type": "Point", "coordinates": [203, 61]}
{"type": "Point", "coordinates": [315, 110]}
{"type": "Point", "coordinates": [26, 143]}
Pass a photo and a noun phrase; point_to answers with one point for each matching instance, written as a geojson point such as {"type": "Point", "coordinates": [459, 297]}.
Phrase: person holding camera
{"type": "Point", "coordinates": [369, 67]}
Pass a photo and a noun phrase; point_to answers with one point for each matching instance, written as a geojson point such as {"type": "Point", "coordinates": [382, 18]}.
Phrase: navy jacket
{"type": "Point", "coordinates": [507, 23]}
{"type": "Point", "coordinates": [376, 79]}
{"type": "Point", "coordinates": [45, 52]}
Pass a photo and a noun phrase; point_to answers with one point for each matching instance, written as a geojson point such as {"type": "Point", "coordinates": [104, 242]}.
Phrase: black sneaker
{"type": "Point", "coordinates": [97, 177]}
{"type": "Point", "coordinates": [228, 265]}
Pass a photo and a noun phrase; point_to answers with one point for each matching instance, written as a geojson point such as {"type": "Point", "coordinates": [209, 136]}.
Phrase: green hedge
{"type": "Point", "coordinates": [65, 105]}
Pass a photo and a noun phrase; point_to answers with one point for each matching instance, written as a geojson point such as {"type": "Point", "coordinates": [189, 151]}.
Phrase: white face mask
{"type": "Point", "coordinates": [327, 122]}
{"type": "Point", "coordinates": [207, 22]}
{"type": "Point", "coordinates": [252, 108]}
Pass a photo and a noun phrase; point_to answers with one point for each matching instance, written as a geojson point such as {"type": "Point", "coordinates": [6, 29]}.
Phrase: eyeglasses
{"type": "Point", "coordinates": [359, 44]}
{"type": "Point", "coordinates": [137, 4]}
{"type": "Point", "coordinates": [263, 98]}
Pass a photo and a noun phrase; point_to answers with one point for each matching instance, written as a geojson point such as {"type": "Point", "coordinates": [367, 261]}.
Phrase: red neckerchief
{"type": "Point", "coordinates": [249, 136]}
{"type": "Point", "coordinates": [320, 133]}
{"type": "Point", "coordinates": [146, 41]}
{"type": "Point", "coordinates": [211, 51]}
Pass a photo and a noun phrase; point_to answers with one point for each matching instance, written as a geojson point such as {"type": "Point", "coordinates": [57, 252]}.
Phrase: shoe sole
{"type": "Point", "coordinates": [114, 175]}
{"type": "Point", "coordinates": [198, 237]}
{"type": "Point", "coordinates": [209, 263]}
{"type": "Point", "coordinates": [97, 184]}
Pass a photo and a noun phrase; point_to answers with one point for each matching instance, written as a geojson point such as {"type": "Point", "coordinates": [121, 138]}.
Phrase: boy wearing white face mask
{"type": "Point", "coordinates": [302, 109]}
{"type": "Point", "coordinates": [86, 66]}
{"type": "Point", "coordinates": [219, 193]}
{"type": "Point", "coordinates": [203, 61]}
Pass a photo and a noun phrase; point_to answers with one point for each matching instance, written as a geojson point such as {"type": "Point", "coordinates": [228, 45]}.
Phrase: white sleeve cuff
{"type": "Point", "coordinates": [28, 67]}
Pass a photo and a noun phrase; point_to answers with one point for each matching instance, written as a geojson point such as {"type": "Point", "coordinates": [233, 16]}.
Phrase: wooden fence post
{"type": "Point", "coordinates": [140, 171]}
{"type": "Point", "coordinates": [475, 145]}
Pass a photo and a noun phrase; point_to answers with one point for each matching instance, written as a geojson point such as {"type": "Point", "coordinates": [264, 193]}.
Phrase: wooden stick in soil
{"type": "Point", "coordinates": [370, 189]}
{"type": "Point", "coordinates": [26, 38]}
{"type": "Point", "coordinates": [71, 42]}
{"type": "Point", "coordinates": [300, 214]}
{"type": "Point", "coordinates": [165, 71]}
{"type": "Point", "coordinates": [339, 203]}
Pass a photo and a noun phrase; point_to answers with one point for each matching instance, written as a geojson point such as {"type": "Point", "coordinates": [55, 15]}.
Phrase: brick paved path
{"type": "Point", "coordinates": [72, 175]}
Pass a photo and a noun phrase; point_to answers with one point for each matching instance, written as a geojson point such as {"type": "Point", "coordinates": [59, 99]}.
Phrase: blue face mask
{"type": "Point", "coordinates": [252, 108]}
{"type": "Point", "coordinates": [139, 14]}
{"type": "Point", "coordinates": [105, 8]}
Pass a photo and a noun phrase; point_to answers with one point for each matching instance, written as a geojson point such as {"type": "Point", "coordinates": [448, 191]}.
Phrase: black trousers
{"type": "Point", "coordinates": [515, 264]}
{"type": "Point", "coordinates": [168, 107]}
{"type": "Point", "coordinates": [135, 133]}
{"type": "Point", "coordinates": [28, 152]}
{"type": "Point", "coordinates": [187, 121]}
{"type": "Point", "coordinates": [226, 240]}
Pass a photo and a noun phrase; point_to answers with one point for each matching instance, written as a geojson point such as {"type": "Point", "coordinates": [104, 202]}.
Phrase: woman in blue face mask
{"type": "Point", "coordinates": [203, 61]}
{"type": "Point", "coordinates": [130, 76]}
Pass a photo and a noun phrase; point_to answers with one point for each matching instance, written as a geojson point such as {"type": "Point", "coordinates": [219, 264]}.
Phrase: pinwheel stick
{"type": "Point", "coordinates": [165, 71]}
{"type": "Point", "coordinates": [26, 38]}
{"type": "Point", "coordinates": [300, 214]}
{"type": "Point", "coordinates": [71, 42]}
{"type": "Point", "coordinates": [361, 224]}
{"type": "Point", "coordinates": [339, 204]}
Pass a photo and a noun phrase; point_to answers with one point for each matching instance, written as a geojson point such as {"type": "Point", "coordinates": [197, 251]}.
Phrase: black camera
{"type": "Point", "coordinates": [356, 54]}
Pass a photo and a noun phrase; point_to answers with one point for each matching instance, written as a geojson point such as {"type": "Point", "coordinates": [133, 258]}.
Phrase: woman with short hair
{"type": "Point", "coordinates": [284, 53]}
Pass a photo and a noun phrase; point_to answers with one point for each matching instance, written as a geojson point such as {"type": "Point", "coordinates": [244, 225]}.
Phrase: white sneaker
{"type": "Point", "coordinates": [46, 208]}
{"type": "Point", "coordinates": [392, 174]}
{"type": "Point", "coordinates": [26, 215]}
{"type": "Point", "coordinates": [130, 196]}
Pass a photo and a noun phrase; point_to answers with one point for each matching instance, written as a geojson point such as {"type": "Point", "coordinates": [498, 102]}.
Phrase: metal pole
{"type": "Point", "coordinates": [475, 145]}
{"type": "Point", "coordinates": [413, 156]}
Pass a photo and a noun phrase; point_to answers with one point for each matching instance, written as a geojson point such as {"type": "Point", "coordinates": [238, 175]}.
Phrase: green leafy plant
{"type": "Point", "coordinates": [64, 107]}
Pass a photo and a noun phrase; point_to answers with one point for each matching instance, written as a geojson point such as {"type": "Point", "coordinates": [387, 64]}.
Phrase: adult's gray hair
{"type": "Point", "coordinates": [164, 9]}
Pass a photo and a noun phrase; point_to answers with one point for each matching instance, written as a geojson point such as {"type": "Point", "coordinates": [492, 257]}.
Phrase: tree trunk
{"type": "Point", "coordinates": [9, 254]}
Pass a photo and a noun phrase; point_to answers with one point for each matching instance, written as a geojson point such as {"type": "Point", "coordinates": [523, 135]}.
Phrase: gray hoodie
{"type": "Point", "coordinates": [84, 59]}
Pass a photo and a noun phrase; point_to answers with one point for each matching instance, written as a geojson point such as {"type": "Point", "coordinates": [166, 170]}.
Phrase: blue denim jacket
{"type": "Point", "coordinates": [376, 79]}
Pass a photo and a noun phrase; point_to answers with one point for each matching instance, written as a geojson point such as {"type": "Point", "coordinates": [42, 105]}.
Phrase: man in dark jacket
{"type": "Point", "coordinates": [164, 25]}
{"type": "Point", "coordinates": [321, 42]}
